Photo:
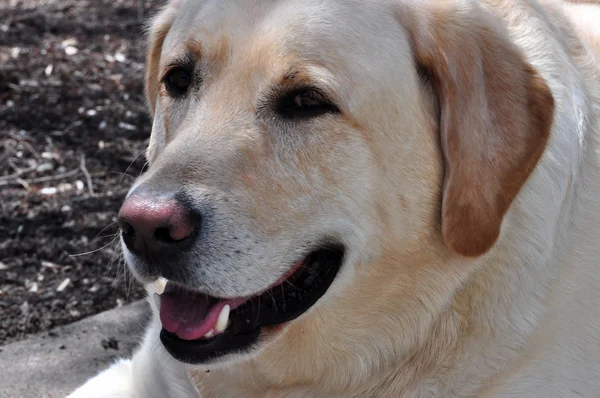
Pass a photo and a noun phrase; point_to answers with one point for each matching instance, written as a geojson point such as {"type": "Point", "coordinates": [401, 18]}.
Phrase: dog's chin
{"type": "Point", "coordinates": [253, 322]}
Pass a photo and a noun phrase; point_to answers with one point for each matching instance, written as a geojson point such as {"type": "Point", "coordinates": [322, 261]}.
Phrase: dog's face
{"type": "Point", "coordinates": [319, 154]}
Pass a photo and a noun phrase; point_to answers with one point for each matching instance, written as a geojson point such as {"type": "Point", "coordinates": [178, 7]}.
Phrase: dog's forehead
{"type": "Point", "coordinates": [313, 30]}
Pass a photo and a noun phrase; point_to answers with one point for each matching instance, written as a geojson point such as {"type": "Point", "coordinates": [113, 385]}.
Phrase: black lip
{"type": "Point", "coordinates": [279, 305]}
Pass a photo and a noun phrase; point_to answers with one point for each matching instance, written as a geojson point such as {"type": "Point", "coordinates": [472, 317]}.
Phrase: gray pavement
{"type": "Point", "coordinates": [52, 364]}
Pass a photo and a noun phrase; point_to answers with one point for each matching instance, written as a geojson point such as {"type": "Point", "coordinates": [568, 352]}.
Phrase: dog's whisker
{"type": "Point", "coordinates": [114, 255]}
{"type": "Point", "coordinates": [104, 229]}
{"type": "Point", "coordinates": [146, 163]}
{"type": "Point", "coordinates": [123, 175]}
{"type": "Point", "coordinates": [287, 281]}
{"type": "Point", "coordinates": [128, 167]}
{"type": "Point", "coordinates": [272, 299]}
{"type": "Point", "coordinates": [114, 235]}
{"type": "Point", "coordinates": [95, 250]}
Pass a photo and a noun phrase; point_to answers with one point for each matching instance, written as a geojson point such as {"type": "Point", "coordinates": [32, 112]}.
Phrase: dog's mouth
{"type": "Point", "coordinates": [198, 329]}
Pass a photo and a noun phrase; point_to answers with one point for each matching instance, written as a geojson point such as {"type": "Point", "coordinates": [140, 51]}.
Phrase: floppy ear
{"type": "Point", "coordinates": [158, 28]}
{"type": "Point", "coordinates": [495, 116]}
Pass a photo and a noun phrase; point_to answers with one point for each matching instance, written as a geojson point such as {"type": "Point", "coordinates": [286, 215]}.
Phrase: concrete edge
{"type": "Point", "coordinates": [54, 363]}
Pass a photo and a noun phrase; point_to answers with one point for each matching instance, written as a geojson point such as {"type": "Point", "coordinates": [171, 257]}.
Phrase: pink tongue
{"type": "Point", "coordinates": [187, 314]}
{"type": "Point", "coordinates": [191, 315]}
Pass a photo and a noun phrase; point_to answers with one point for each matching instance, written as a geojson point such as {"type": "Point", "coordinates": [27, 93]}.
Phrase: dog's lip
{"type": "Point", "coordinates": [170, 286]}
{"type": "Point", "coordinates": [255, 318]}
{"type": "Point", "coordinates": [191, 314]}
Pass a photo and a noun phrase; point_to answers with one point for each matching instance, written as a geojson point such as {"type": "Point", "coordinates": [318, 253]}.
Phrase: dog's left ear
{"type": "Point", "coordinates": [495, 115]}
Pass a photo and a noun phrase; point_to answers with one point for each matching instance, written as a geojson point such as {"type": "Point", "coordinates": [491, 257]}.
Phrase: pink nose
{"type": "Point", "coordinates": [150, 224]}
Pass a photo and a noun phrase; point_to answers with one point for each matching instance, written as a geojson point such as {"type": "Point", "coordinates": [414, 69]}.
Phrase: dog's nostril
{"type": "Point", "coordinates": [163, 235]}
{"type": "Point", "coordinates": [126, 228]}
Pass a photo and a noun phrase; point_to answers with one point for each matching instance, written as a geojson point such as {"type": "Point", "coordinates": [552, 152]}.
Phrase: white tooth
{"type": "Point", "coordinates": [160, 284]}
{"type": "Point", "coordinates": [209, 334]}
{"type": "Point", "coordinates": [156, 297]}
{"type": "Point", "coordinates": [223, 319]}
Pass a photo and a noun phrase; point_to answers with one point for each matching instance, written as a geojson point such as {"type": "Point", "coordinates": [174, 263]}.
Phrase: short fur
{"type": "Point", "coordinates": [462, 173]}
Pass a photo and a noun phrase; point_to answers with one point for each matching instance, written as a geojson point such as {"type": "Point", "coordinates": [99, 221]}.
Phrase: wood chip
{"type": "Point", "coordinates": [48, 191]}
{"type": "Point", "coordinates": [63, 285]}
{"type": "Point", "coordinates": [52, 266]}
{"type": "Point", "coordinates": [70, 50]}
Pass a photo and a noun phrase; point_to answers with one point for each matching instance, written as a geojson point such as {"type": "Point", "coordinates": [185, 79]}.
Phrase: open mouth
{"type": "Point", "coordinates": [198, 328]}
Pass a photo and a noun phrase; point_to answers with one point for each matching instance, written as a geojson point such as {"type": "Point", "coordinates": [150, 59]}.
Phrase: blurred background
{"type": "Point", "coordinates": [73, 130]}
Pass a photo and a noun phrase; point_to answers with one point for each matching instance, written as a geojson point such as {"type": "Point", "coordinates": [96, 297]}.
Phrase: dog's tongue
{"type": "Point", "coordinates": [188, 314]}
{"type": "Point", "coordinates": [191, 315]}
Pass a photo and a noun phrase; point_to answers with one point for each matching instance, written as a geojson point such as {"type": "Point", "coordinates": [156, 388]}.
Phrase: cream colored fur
{"type": "Point", "coordinates": [407, 317]}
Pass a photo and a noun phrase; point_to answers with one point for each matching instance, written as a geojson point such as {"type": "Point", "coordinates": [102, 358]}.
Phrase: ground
{"type": "Point", "coordinates": [73, 129]}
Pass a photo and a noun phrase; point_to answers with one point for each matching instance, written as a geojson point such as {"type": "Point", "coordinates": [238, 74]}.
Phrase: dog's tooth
{"type": "Point", "coordinates": [209, 334]}
{"type": "Point", "coordinates": [156, 297]}
{"type": "Point", "coordinates": [160, 284]}
{"type": "Point", "coordinates": [223, 319]}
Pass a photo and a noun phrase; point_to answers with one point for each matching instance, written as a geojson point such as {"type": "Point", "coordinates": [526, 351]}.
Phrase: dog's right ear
{"type": "Point", "coordinates": [158, 28]}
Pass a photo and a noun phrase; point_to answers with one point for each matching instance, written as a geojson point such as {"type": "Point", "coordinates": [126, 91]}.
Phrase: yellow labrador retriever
{"type": "Point", "coordinates": [368, 198]}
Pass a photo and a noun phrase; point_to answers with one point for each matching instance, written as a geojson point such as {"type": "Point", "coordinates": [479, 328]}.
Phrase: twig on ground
{"type": "Point", "coordinates": [86, 173]}
{"type": "Point", "coordinates": [16, 87]}
{"type": "Point", "coordinates": [8, 145]}
{"type": "Point", "coordinates": [54, 267]}
{"type": "Point", "coordinates": [25, 142]}
{"type": "Point", "coordinates": [17, 169]}
{"type": "Point", "coordinates": [28, 16]}
{"type": "Point", "coordinates": [23, 183]}
{"type": "Point", "coordinates": [4, 157]}
{"type": "Point", "coordinates": [13, 181]}
{"type": "Point", "coordinates": [5, 180]}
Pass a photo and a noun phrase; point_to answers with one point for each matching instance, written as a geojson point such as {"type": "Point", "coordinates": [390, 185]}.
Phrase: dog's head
{"type": "Point", "coordinates": [331, 156]}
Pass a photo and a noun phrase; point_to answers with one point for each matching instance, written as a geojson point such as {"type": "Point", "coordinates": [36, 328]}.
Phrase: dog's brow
{"type": "Point", "coordinates": [299, 76]}
{"type": "Point", "coordinates": [213, 50]}
{"type": "Point", "coordinates": [292, 74]}
{"type": "Point", "coordinates": [181, 59]}
{"type": "Point", "coordinates": [194, 47]}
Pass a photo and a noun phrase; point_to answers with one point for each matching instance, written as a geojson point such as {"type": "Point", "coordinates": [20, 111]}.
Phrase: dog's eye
{"type": "Point", "coordinates": [177, 81]}
{"type": "Point", "coordinates": [304, 104]}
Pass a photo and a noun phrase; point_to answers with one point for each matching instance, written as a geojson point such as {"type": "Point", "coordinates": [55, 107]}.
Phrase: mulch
{"type": "Point", "coordinates": [73, 130]}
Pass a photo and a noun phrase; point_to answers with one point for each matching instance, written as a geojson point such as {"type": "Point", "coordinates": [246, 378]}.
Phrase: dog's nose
{"type": "Point", "coordinates": [153, 225]}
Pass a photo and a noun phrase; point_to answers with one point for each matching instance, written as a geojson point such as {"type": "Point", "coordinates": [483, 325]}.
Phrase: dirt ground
{"type": "Point", "coordinates": [73, 128]}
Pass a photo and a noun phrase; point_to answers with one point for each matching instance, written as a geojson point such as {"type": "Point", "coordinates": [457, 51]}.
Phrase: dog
{"type": "Point", "coordinates": [385, 198]}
